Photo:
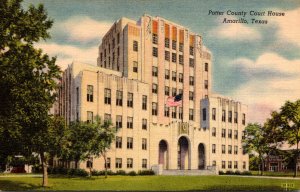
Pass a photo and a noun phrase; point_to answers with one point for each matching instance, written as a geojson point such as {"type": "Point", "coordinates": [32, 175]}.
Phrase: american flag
{"type": "Point", "coordinates": [174, 101]}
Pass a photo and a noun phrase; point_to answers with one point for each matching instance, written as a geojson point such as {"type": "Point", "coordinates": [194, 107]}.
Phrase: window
{"type": "Point", "coordinates": [144, 144]}
{"type": "Point", "coordinates": [213, 116]}
{"type": "Point", "coordinates": [154, 38]}
{"type": "Point", "coordinates": [180, 113]}
{"type": "Point", "coordinates": [101, 57]}
{"type": "Point", "coordinates": [144, 102]}
{"type": "Point", "coordinates": [235, 164]}
{"type": "Point", "coordinates": [135, 66]}
{"type": "Point", "coordinates": [204, 114]}
{"type": "Point", "coordinates": [118, 51]}
{"type": "Point", "coordinates": [89, 117]}
{"type": "Point", "coordinates": [130, 100]}
{"type": "Point", "coordinates": [77, 95]}
{"type": "Point", "coordinates": [223, 165]}
{"type": "Point", "coordinates": [174, 92]}
{"type": "Point", "coordinates": [181, 47]}
{"type": "Point", "coordinates": [229, 164]}
{"type": "Point", "coordinates": [174, 57]}
{"type": "Point", "coordinates": [213, 148]}
{"type": "Point", "coordinates": [244, 164]}
{"type": "Point", "coordinates": [144, 163]}
{"type": "Point", "coordinates": [107, 117]}
{"type": "Point", "coordinates": [244, 119]}
{"type": "Point", "coordinates": [135, 46]}
{"type": "Point", "coordinates": [129, 122]}
{"type": "Point", "coordinates": [129, 142]}
{"type": "Point", "coordinates": [154, 52]}
{"type": "Point", "coordinates": [167, 42]}
{"type": "Point", "coordinates": [119, 121]}
{"type": "Point", "coordinates": [191, 62]}
{"type": "Point", "coordinates": [214, 163]}
{"type": "Point", "coordinates": [174, 76]}
{"type": "Point", "coordinates": [230, 133]}
{"type": "Point", "coordinates": [191, 80]}
{"type": "Point", "coordinates": [89, 93]}
{"type": "Point", "coordinates": [167, 90]}
{"type": "Point", "coordinates": [108, 48]}
{"type": "Point", "coordinates": [89, 163]}
{"type": "Point", "coordinates": [119, 100]}
{"type": "Point", "coordinates": [181, 59]}
{"type": "Point", "coordinates": [154, 88]}
{"type": "Point", "coordinates": [119, 163]}
{"type": "Point", "coordinates": [243, 135]}
{"type": "Point", "coordinates": [167, 74]}
{"type": "Point", "coordinates": [206, 66]}
{"type": "Point", "coordinates": [191, 114]}
{"type": "Point", "coordinates": [167, 111]}
{"type": "Point", "coordinates": [174, 112]}
{"type": "Point", "coordinates": [191, 96]}
{"type": "Point", "coordinates": [154, 108]}
{"type": "Point", "coordinates": [129, 162]}
{"type": "Point", "coordinates": [180, 78]}
{"type": "Point", "coordinates": [235, 117]}
{"type": "Point", "coordinates": [179, 91]}
{"type": "Point", "coordinates": [191, 50]}
{"type": "Point", "coordinates": [119, 142]}
{"type": "Point", "coordinates": [223, 133]}
{"type": "Point", "coordinates": [235, 150]}
{"type": "Point", "coordinates": [118, 38]}
{"type": "Point", "coordinates": [167, 55]}
{"type": "Point", "coordinates": [214, 132]}
{"type": "Point", "coordinates": [107, 164]}
{"type": "Point", "coordinates": [154, 71]}
{"type": "Point", "coordinates": [174, 43]}
{"type": "Point", "coordinates": [144, 124]}
{"type": "Point", "coordinates": [206, 84]}
{"type": "Point", "coordinates": [223, 115]}
{"type": "Point", "coordinates": [223, 149]}
{"type": "Point", "coordinates": [229, 149]}
{"type": "Point", "coordinates": [236, 134]}
{"type": "Point", "coordinates": [230, 116]}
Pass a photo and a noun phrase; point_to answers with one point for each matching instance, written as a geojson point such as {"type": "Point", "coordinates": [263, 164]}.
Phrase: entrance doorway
{"type": "Point", "coordinates": [183, 153]}
{"type": "Point", "coordinates": [163, 154]}
{"type": "Point", "coordinates": [201, 156]}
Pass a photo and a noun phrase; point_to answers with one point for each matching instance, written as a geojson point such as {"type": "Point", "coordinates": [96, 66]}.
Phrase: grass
{"type": "Point", "coordinates": [151, 183]}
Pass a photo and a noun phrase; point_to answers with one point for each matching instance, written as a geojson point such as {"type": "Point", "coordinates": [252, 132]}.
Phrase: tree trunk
{"type": "Point", "coordinates": [44, 168]}
{"type": "Point", "coordinates": [296, 159]}
{"type": "Point", "coordinates": [104, 156]}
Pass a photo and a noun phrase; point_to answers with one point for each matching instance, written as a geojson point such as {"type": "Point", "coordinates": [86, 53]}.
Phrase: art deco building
{"type": "Point", "coordinates": [141, 64]}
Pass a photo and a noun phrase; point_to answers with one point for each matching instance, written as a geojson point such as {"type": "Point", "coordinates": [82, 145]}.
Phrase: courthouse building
{"type": "Point", "coordinates": [140, 64]}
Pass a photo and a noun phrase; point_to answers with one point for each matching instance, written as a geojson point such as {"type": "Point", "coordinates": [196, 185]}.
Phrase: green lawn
{"type": "Point", "coordinates": [276, 174]}
{"type": "Point", "coordinates": [142, 183]}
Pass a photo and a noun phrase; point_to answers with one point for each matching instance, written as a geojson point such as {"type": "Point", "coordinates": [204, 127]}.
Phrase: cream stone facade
{"type": "Point", "coordinates": [141, 64]}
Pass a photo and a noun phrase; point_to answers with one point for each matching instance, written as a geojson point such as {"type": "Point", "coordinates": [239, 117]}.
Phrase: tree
{"type": "Point", "coordinates": [28, 82]}
{"type": "Point", "coordinates": [255, 141]}
{"type": "Point", "coordinates": [286, 124]}
{"type": "Point", "coordinates": [89, 139]}
{"type": "Point", "coordinates": [105, 134]}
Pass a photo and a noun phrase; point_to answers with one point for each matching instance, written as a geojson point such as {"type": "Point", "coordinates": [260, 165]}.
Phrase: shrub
{"type": "Point", "coordinates": [229, 172]}
{"type": "Point", "coordinates": [121, 172]}
{"type": "Point", "coordinates": [221, 173]}
{"type": "Point", "coordinates": [80, 173]}
{"type": "Point", "coordinates": [237, 172]}
{"type": "Point", "coordinates": [132, 173]}
{"type": "Point", "coordinates": [146, 172]}
{"type": "Point", "coordinates": [246, 173]}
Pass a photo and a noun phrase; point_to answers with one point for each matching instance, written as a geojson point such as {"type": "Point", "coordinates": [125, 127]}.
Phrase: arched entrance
{"type": "Point", "coordinates": [201, 156]}
{"type": "Point", "coordinates": [183, 153]}
{"type": "Point", "coordinates": [163, 154]}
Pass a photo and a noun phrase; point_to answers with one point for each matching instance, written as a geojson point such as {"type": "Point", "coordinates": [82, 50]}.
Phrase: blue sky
{"type": "Point", "coordinates": [258, 64]}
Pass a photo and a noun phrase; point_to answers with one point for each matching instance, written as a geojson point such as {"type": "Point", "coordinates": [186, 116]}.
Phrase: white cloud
{"type": "Point", "coordinates": [234, 31]}
{"type": "Point", "coordinates": [288, 26]}
{"type": "Point", "coordinates": [66, 54]}
{"type": "Point", "coordinates": [264, 95]}
{"type": "Point", "coordinates": [82, 29]}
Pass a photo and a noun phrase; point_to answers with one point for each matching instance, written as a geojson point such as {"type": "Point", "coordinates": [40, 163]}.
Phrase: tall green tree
{"type": "Point", "coordinates": [255, 141]}
{"type": "Point", "coordinates": [28, 81]}
{"type": "Point", "coordinates": [286, 126]}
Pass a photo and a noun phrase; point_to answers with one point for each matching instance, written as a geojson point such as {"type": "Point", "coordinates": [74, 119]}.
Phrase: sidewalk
{"type": "Point", "coordinates": [21, 175]}
{"type": "Point", "coordinates": [267, 177]}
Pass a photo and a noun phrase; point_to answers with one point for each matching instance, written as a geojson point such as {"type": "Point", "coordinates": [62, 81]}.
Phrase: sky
{"type": "Point", "coordinates": [257, 64]}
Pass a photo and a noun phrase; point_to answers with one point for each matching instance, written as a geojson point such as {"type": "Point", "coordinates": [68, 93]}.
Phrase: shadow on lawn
{"type": "Point", "coordinates": [6, 185]}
